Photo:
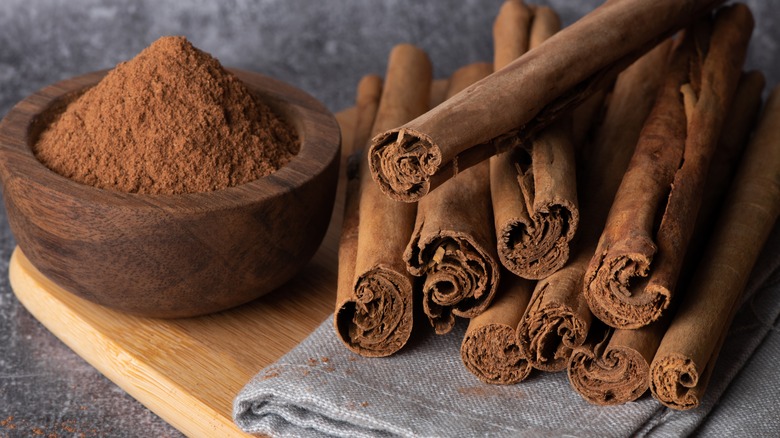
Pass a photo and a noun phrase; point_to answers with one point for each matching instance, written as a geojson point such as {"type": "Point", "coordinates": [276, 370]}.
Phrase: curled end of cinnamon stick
{"type": "Point", "coordinates": [549, 331]}
{"type": "Point", "coordinates": [616, 287]}
{"type": "Point", "coordinates": [402, 161]}
{"type": "Point", "coordinates": [460, 276]}
{"type": "Point", "coordinates": [491, 353]}
{"type": "Point", "coordinates": [379, 321]}
{"type": "Point", "coordinates": [674, 380]}
{"type": "Point", "coordinates": [618, 375]}
{"type": "Point", "coordinates": [536, 250]}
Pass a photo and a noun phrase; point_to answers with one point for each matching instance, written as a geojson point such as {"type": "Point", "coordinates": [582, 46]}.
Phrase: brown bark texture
{"type": "Point", "coordinates": [410, 160]}
{"type": "Point", "coordinates": [683, 364]}
{"type": "Point", "coordinates": [489, 349]}
{"type": "Point", "coordinates": [533, 188]}
{"type": "Point", "coordinates": [375, 291]}
{"type": "Point", "coordinates": [613, 366]}
{"type": "Point", "coordinates": [453, 244]}
{"type": "Point", "coordinates": [558, 318]}
{"type": "Point", "coordinates": [634, 272]}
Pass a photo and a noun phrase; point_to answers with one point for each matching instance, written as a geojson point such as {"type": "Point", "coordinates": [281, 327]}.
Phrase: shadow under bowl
{"type": "Point", "coordinates": [170, 255]}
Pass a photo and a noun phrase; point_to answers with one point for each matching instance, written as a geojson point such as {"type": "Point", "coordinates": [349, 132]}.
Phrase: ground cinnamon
{"type": "Point", "coordinates": [171, 120]}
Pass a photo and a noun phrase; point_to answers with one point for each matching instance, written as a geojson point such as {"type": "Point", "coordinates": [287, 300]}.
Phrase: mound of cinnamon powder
{"type": "Point", "coordinates": [171, 120]}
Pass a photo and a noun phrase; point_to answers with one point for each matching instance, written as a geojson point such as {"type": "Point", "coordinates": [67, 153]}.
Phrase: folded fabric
{"type": "Point", "coordinates": [322, 389]}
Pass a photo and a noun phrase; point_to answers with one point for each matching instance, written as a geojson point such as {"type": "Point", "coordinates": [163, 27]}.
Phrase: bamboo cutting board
{"type": "Point", "coordinates": [189, 370]}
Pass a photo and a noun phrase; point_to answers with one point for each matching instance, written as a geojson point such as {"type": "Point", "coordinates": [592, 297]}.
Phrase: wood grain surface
{"type": "Point", "coordinates": [189, 370]}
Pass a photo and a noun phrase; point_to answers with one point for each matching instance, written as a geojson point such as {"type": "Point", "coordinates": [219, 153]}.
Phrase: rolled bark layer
{"type": "Point", "coordinates": [534, 232]}
{"type": "Point", "coordinates": [453, 243]}
{"type": "Point", "coordinates": [626, 247]}
{"type": "Point", "coordinates": [410, 160]}
{"type": "Point", "coordinates": [634, 272]}
{"type": "Point", "coordinates": [683, 364]}
{"type": "Point", "coordinates": [616, 376]}
{"type": "Point", "coordinates": [374, 297]}
{"type": "Point", "coordinates": [489, 349]}
{"type": "Point", "coordinates": [554, 323]}
{"type": "Point", "coordinates": [614, 365]}
{"type": "Point", "coordinates": [560, 318]}
{"type": "Point", "coordinates": [606, 374]}
{"type": "Point", "coordinates": [533, 189]}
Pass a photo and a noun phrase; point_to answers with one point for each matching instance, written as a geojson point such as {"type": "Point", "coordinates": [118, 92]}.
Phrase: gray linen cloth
{"type": "Point", "coordinates": [322, 389]}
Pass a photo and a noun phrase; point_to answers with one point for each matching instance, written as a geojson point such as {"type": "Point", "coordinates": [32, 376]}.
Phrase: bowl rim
{"type": "Point", "coordinates": [317, 128]}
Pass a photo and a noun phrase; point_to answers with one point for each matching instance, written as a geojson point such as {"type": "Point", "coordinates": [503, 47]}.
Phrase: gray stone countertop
{"type": "Point", "coordinates": [322, 46]}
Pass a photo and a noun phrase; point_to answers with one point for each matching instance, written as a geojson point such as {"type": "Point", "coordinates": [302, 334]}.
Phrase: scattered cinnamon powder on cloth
{"type": "Point", "coordinates": [171, 120]}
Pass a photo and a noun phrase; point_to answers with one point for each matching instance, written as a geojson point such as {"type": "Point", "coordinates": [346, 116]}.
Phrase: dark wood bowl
{"type": "Point", "coordinates": [170, 255]}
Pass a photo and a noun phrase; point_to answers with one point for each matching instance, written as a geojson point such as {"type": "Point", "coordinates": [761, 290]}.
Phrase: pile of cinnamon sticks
{"type": "Point", "coordinates": [593, 200]}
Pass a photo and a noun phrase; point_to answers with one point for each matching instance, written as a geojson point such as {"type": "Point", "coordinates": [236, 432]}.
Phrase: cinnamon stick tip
{"type": "Point", "coordinates": [512, 12]}
{"type": "Point", "coordinates": [549, 14]}
{"type": "Point", "coordinates": [470, 73]}
{"type": "Point", "coordinates": [402, 161]}
{"type": "Point", "coordinates": [756, 77]}
{"type": "Point", "coordinates": [673, 381]}
{"type": "Point", "coordinates": [369, 89]}
{"type": "Point", "coordinates": [610, 293]}
{"type": "Point", "coordinates": [375, 334]}
{"type": "Point", "coordinates": [548, 334]}
{"type": "Point", "coordinates": [621, 378]}
{"type": "Point", "coordinates": [556, 222]}
{"type": "Point", "coordinates": [404, 50]}
{"type": "Point", "coordinates": [491, 353]}
{"type": "Point", "coordinates": [741, 13]}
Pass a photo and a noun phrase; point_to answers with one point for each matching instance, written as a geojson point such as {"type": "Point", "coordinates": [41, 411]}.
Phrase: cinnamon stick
{"type": "Point", "coordinates": [511, 32]}
{"type": "Point", "coordinates": [533, 190]}
{"type": "Point", "coordinates": [558, 318]}
{"type": "Point", "coordinates": [408, 161]}
{"type": "Point", "coordinates": [584, 119]}
{"type": "Point", "coordinates": [683, 364]}
{"type": "Point", "coordinates": [439, 89]}
{"type": "Point", "coordinates": [369, 91]}
{"type": "Point", "coordinates": [489, 349]}
{"type": "Point", "coordinates": [367, 100]}
{"type": "Point", "coordinates": [453, 243]}
{"type": "Point", "coordinates": [733, 139]}
{"type": "Point", "coordinates": [633, 274]}
{"type": "Point", "coordinates": [374, 300]}
{"type": "Point", "coordinates": [613, 366]}
{"type": "Point", "coordinates": [605, 371]}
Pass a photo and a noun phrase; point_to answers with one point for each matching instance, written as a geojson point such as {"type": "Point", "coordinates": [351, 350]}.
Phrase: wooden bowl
{"type": "Point", "coordinates": [170, 255]}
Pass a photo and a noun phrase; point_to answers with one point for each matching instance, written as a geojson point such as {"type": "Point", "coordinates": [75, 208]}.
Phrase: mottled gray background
{"type": "Point", "coordinates": [322, 46]}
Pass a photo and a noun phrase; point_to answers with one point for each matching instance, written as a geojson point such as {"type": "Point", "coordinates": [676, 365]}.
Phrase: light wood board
{"type": "Point", "coordinates": [188, 371]}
